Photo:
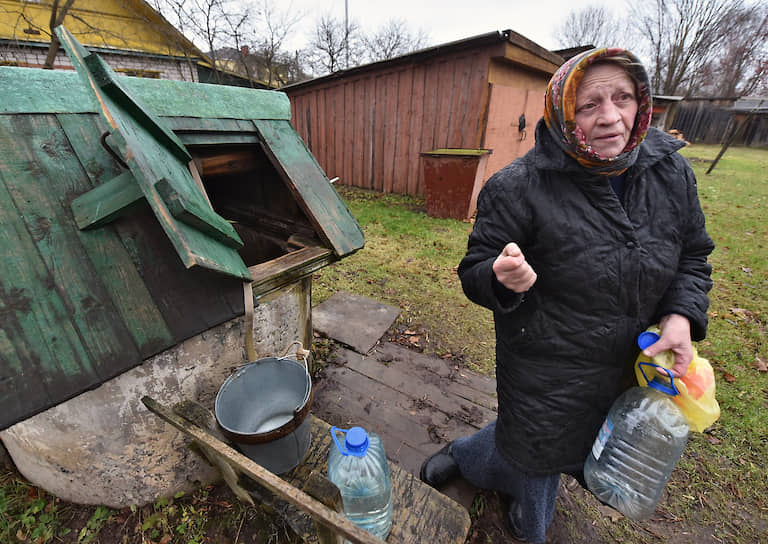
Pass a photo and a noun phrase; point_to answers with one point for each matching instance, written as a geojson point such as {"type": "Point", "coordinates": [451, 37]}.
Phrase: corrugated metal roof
{"type": "Point", "coordinates": [757, 104]}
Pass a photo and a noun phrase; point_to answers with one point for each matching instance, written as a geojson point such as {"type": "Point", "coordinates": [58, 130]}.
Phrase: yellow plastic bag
{"type": "Point", "coordinates": [697, 388]}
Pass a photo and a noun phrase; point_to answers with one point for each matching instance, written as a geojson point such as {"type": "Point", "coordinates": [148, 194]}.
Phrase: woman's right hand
{"type": "Point", "coordinates": [512, 270]}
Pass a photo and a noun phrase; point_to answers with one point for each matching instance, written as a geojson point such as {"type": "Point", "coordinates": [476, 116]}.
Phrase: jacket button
{"type": "Point", "coordinates": [631, 245]}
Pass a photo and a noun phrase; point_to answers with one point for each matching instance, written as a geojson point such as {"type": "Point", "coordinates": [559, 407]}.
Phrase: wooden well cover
{"type": "Point", "coordinates": [109, 251]}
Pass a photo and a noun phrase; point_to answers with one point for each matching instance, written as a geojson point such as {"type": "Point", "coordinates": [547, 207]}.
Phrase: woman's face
{"type": "Point", "coordinates": [606, 105]}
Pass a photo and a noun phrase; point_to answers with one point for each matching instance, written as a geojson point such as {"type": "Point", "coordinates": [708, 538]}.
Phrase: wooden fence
{"type": "Point", "coordinates": [703, 123]}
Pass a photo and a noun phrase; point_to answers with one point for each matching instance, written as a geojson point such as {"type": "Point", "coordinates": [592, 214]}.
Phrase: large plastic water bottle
{"type": "Point", "coordinates": [637, 448]}
{"type": "Point", "coordinates": [360, 470]}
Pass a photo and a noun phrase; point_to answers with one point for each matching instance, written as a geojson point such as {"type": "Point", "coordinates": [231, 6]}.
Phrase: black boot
{"type": "Point", "coordinates": [439, 468]}
{"type": "Point", "coordinates": [512, 517]}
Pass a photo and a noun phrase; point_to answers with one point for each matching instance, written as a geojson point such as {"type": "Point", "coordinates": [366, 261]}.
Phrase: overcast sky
{"type": "Point", "coordinates": [445, 20]}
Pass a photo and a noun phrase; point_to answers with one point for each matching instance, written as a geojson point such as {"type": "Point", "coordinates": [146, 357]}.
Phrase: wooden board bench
{"type": "Point", "coordinates": [421, 514]}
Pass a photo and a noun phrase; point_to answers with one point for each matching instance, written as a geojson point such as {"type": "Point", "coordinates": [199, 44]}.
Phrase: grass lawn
{"type": "Point", "coordinates": [719, 491]}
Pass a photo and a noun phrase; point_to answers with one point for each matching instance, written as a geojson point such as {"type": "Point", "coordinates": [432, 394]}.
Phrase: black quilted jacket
{"type": "Point", "coordinates": [565, 349]}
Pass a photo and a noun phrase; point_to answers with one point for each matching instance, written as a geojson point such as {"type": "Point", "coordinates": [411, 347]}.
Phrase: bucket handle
{"type": "Point", "coordinates": [303, 354]}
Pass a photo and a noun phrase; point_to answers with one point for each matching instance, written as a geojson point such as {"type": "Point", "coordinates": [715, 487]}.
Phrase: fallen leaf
{"type": "Point", "coordinates": [607, 511]}
{"type": "Point", "coordinates": [730, 378]}
{"type": "Point", "coordinates": [747, 270]}
{"type": "Point", "coordinates": [713, 440]}
{"type": "Point", "coordinates": [414, 340]}
{"type": "Point", "coordinates": [760, 364]}
{"type": "Point", "coordinates": [408, 331]}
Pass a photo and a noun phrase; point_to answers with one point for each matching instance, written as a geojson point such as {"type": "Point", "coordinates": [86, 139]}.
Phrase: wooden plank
{"type": "Point", "coordinates": [484, 385]}
{"type": "Point", "coordinates": [446, 87]}
{"type": "Point", "coordinates": [223, 138]}
{"type": "Point", "coordinates": [333, 167]}
{"type": "Point", "coordinates": [402, 131]}
{"type": "Point", "coordinates": [348, 131]}
{"type": "Point", "coordinates": [429, 139]}
{"type": "Point", "coordinates": [275, 484]}
{"type": "Point", "coordinates": [289, 268]}
{"type": "Point", "coordinates": [441, 393]}
{"type": "Point", "coordinates": [416, 121]}
{"type": "Point", "coordinates": [358, 123]}
{"type": "Point", "coordinates": [155, 153]}
{"type": "Point", "coordinates": [59, 316]}
{"type": "Point", "coordinates": [62, 91]}
{"type": "Point", "coordinates": [186, 127]}
{"type": "Point", "coordinates": [106, 202]}
{"type": "Point", "coordinates": [174, 98]}
{"type": "Point", "coordinates": [409, 427]}
{"type": "Point", "coordinates": [316, 196]}
{"type": "Point", "coordinates": [321, 122]}
{"type": "Point", "coordinates": [477, 101]}
{"type": "Point", "coordinates": [325, 155]}
{"type": "Point", "coordinates": [190, 301]}
{"type": "Point", "coordinates": [43, 203]}
{"type": "Point", "coordinates": [378, 127]}
{"type": "Point", "coordinates": [460, 101]}
{"type": "Point", "coordinates": [106, 249]}
{"type": "Point", "coordinates": [366, 119]}
{"type": "Point", "coordinates": [29, 370]}
{"type": "Point", "coordinates": [389, 128]}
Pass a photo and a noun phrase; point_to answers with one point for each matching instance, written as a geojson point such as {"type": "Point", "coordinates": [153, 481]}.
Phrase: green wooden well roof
{"type": "Point", "coordinates": [110, 250]}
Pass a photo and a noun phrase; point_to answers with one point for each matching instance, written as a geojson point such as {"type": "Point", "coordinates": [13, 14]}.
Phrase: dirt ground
{"type": "Point", "coordinates": [579, 519]}
{"type": "Point", "coordinates": [214, 516]}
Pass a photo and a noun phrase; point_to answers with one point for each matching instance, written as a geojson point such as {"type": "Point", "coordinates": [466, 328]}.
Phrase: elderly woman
{"type": "Point", "coordinates": [578, 246]}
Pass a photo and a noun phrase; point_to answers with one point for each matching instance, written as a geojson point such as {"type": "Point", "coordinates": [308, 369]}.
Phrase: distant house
{"type": "Point", "coordinates": [369, 125]}
{"type": "Point", "coordinates": [131, 36]}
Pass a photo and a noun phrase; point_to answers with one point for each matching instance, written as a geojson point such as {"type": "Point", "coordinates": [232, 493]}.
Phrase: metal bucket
{"type": "Point", "coordinates": [263, 408]}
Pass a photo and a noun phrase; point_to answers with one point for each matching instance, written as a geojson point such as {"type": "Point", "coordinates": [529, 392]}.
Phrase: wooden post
{"type": "Point", "coordinates": [728, 141]}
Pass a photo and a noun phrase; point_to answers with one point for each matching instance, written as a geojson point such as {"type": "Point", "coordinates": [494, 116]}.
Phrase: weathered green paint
{"type": "Point", "coordinates": [103, 76]}
{"type": "Point", "coordinates": [63, 92]}
{"type": "Point", "coordinates": [107, 252]}
{"type": "Point", "coordinates": [318, 198]}
{"type": "Point", "coordinates": [57, 313]}
{"type": "Point", "coordinates": [155, 155]}
{"type": "Point", "coordinates": [203, 218]}
{"type": "Point", "coordinates": [80, 306]}
{"type": "Point", "coordinates": [107, 201]}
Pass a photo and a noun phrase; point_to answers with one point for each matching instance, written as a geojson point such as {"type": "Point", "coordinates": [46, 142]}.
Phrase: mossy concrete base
{"type": "Point", "coordinates": [104, 447]}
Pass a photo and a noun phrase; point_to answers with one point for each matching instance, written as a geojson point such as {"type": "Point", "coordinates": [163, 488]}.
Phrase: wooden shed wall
{"type": "Point", "coordinates": [369, 129]}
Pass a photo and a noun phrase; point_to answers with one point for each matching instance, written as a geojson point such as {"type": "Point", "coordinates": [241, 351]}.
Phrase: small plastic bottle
{"type": "Point", "coordinates": [637, 448]}
{"type": "Point", "coordinates": [360, 470]}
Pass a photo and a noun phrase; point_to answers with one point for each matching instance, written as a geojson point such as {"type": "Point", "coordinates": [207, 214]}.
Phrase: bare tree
{"type": "Point", "coordinates": [208, 22]}
{"type": "Point", "coordinates": [58, 13]}
{"type": "Point", "coordinates": [740, 65]}
{"type": "Point", "coordinates": [237, 31]}
{"type": "Point", "coordinates": [593, 25]}
{"type": "Point", "coordinates": [392, 39]}
{"type": "Point", "coordinates": [273, 29]}
{"type": "Point", "coordinates": [681, 37]}
{"type": "Point", "coordinates": [334, 45]}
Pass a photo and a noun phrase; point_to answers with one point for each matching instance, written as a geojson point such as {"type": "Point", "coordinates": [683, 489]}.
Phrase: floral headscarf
{"type": "Point", "coordinates": [560, 112]}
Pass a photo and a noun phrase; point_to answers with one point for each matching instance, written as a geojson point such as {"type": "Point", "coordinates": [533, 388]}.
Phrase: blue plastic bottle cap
{"type": "Point", "coordinates": [356, 440]}
{"type": "Point", "coordinates": [645, 339]}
